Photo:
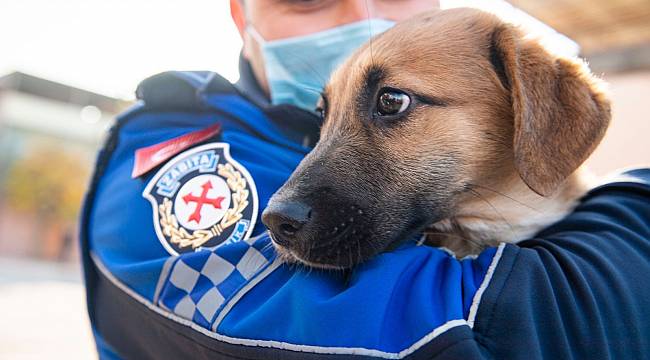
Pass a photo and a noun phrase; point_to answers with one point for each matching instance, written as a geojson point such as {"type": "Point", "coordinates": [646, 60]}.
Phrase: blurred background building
{"type": "Point", "coordinates": [50, 130]}
{"type": "Point", "coordinates": [49, 134]}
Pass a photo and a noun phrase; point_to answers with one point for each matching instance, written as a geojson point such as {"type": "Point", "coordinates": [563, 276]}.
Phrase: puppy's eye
{"type": "Point", "coordinates": [391, 102]}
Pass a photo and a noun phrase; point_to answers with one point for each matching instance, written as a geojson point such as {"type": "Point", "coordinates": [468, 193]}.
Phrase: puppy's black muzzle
{"type": "Point", "coordinates": [319, 227]}
{"type": "Point", "coordinates": [288, 221]}
{"type": "Point", "coordinates": [329, 212]}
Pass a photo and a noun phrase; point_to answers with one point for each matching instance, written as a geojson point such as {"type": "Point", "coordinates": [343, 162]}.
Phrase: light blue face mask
{"type": "Point", "coordinates": [298, 67]}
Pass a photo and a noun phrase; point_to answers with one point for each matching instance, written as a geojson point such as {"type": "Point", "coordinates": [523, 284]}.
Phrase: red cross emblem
{"type": "Point", "coordinates": [201, 200]}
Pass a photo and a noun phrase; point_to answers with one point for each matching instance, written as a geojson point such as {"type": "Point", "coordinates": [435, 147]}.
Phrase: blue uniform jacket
{"type": "Point", "coordinates": [177, 264]}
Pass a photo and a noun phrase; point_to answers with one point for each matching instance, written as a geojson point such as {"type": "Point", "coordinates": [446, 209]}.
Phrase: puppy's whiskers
{"type": "Point", "coordinates": [359, 256]}
{"type": "Point", "coordinates": [268, 245]}
{"type": "Point", "coordinates": [433, 232]}
{"type": "Point", "coordinates": [478, 195]}
{"type": "Point", "coordinates": [372, 57]}
{"type": "Point", "coordinates": [311, 89]}
{"type": "Point", "coordinates": [504, 195]}
{"type": "Point", "coordinates": [306, 63]}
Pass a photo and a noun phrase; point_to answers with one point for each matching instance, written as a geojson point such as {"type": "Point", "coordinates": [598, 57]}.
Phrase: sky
{"type": "Point", "coordinates": [108, 46]}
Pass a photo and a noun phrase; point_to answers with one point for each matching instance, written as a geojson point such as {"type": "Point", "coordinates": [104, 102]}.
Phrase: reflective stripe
{"type": "Point", "coordinates": [486, 281]}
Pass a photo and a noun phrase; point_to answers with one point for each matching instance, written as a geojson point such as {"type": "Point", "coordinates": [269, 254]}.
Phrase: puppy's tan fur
{"type": "Point", "coordinates": [520, 132]}
{"type": "Point", "coordinates": [496, 162]}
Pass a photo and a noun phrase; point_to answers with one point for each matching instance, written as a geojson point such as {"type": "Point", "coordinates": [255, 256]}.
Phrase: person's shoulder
{"type": "Point", "coordinates": [181, 89]}
{"type": "Point", "coordinates": [632, 179]}
{"type": "Point", "coordinates": [618, 206]}
{"type": "Point", "coordinates": [178, 91]}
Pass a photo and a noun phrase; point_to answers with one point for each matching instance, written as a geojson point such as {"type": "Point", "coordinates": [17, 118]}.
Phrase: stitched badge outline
{"type": "Point", "coordinates": [202, 198]}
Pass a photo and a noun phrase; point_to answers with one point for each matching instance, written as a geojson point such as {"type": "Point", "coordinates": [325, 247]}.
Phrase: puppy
{"type": "Point", "coordinates": [454, 124]}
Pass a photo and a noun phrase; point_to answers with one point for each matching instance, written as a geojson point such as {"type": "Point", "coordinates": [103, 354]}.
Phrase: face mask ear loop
{"type": "Point", "coordinates": [255, 34]}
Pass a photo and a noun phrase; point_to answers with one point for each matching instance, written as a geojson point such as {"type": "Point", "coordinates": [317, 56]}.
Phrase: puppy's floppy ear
{"type": "Point", "coordinates": [560, 114]}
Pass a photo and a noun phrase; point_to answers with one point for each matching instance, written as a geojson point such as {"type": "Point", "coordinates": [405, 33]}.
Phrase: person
{"type": "Point", "coordinates": [177, 263]}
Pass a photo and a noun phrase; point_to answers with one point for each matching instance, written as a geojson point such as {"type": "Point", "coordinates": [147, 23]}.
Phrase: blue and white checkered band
{"type": "Point", "coordinates": [201, 199]}
{"type": "Point", "coordinates": [197, 286]}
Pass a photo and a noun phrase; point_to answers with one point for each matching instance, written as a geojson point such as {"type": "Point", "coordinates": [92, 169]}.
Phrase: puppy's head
{"type": "Point", "coordinates": [417, 118]}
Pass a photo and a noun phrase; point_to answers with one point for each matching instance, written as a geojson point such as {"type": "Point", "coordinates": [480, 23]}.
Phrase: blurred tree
{"type": "Point", "coordinates": [48, 183]}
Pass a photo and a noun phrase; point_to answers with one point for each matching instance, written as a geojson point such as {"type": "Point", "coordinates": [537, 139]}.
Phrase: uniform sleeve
{"type": "Point", "coordinates": [581, 288]}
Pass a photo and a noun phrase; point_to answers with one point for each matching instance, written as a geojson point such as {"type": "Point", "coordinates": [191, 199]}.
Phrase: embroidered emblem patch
{"type": "Point", "coordinates": [201, 199]}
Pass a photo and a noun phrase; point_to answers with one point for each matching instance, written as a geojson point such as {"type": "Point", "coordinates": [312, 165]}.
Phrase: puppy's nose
{"type": "Point", "coordinates": [285, 219]}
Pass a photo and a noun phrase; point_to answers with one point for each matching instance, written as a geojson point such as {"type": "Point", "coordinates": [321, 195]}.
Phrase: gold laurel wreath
{"type": "Point", "coordinates": [181, 237]}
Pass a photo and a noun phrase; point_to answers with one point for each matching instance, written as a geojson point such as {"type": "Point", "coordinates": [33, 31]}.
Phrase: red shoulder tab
{"type": "Point", "coordinates": [149, 157]}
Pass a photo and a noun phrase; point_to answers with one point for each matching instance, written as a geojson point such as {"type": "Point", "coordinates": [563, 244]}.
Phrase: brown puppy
{"type": "Point", "coordinates": [453, 123]}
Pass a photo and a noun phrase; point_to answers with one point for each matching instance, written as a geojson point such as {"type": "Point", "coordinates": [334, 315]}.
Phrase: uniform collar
{"type": "Point", "coordinates": [248, 85]}
{"type": "Point", "coordinates": [297, 124]}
